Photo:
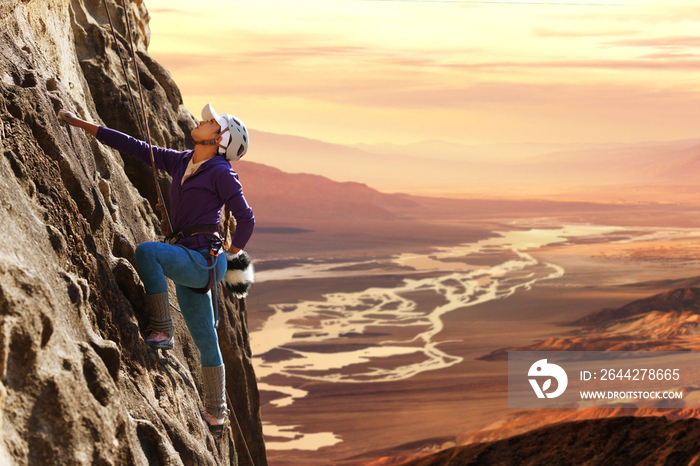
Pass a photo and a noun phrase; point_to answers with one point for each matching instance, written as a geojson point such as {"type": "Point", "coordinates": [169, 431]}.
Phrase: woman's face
{"type": "Point", "coordinates": [206, 130]}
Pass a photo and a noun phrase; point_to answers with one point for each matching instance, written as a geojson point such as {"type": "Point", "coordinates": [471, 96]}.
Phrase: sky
{"type": "Point", "coordinates": [363, 71]}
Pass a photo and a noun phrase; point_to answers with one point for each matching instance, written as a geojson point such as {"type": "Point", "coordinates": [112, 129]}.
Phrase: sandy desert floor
{"type": "Point", "coordinates": [607, 269]}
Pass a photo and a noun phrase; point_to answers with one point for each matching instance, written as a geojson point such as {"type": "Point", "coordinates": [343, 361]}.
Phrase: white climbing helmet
{"type": "Point", "coordinates": [234, 142]}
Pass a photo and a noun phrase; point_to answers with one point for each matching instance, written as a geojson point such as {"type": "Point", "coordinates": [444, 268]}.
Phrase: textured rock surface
{"type": "Point", "coordinates": [78, 385]}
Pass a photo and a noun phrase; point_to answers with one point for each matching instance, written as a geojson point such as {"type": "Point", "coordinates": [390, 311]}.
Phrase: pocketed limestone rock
{"type": "Point", "coordinates": [78, 385]}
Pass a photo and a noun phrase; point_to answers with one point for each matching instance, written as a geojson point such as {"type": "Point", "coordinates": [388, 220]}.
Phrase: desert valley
{"type": "Point", "coordinates": [379, 322]}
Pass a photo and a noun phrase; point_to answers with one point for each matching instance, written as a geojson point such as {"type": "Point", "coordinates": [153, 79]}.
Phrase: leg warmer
{"type": "Point", "coordinates": [159, 313]}
{"type": "Point", "coordinates": [214, 379]}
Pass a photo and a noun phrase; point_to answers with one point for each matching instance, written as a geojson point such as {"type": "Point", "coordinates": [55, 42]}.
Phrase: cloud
{"type": "Point", "coordinates": [376, 81]}
{"type": "Point", "coordinates": [303, 53]}
{"type": "Point", "coordinates": [660, 42]}
{"type": "Point", "coordinates": [670, 56]}
{"type": "Point", "coordinates": [488, 73]}
{"type": "Point", "coordinates": [638, 64]}
{"type": "Point", "coordinates": [319, 51]}
{"type": "Point", "coordinates": [566, 97]}
{"type": "Point", "coordinates": [174, 61]}
{"type": "Point", "coordinates": [166, 10]}
{"type": "Point", "coordinates": [542, 32]}
{"type": "Point", "coordinates": [399, 91]}
{"type": "Point", "coordinates": [357, 57]}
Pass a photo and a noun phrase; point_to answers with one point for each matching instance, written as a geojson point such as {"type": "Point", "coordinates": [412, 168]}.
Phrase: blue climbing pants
{"type": "Point", "coordinates": [156, 261]}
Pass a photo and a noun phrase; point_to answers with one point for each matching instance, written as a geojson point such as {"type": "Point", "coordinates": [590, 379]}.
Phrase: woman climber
{"type": "Point", "coordinates": [202, 182]}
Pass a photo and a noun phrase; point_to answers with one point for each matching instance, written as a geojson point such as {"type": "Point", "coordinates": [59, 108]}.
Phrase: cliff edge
{"type": "Point", "coordinates": [78, 385]}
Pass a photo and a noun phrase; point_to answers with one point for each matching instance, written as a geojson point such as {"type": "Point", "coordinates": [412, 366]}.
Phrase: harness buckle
{"type": "Point", "coordinates": [173, 238]}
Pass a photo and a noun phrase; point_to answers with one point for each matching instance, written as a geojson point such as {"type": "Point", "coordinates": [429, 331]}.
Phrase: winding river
{"type": "Point", "coordinates": [391, 336]}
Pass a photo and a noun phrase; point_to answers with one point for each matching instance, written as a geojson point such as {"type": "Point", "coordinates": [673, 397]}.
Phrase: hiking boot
{"type": "Point", "coordinates": [216, 426]}
{"type": "Point", "coordinates": [214, 379]}
{"type": "Point", "coordinates": [160, 340]}
{"type": "Point", "coordinates": [159, 321]}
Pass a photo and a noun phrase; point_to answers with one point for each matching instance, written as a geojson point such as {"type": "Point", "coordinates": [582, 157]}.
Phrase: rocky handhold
{"type": "Point", "coordinates": [58, 242]}
{"type": "Point", "coordinates": [47, 330]}
{"type": "Point", "coordinates": [160, 380]}
{"type": "Point", "coordinates": [128, 281]}
{"type": "Point", "coordinates": [96, 376]}
{"type": "Point", "coordinates": [156, 446]}
{"type": "Point", "coordinates": [110, 354]}
{"type": "Point", "coordinates": [77, 384]}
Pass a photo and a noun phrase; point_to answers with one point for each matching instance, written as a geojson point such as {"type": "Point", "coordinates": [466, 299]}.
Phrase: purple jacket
{"type": "Point", "coordinates": [199, 200]}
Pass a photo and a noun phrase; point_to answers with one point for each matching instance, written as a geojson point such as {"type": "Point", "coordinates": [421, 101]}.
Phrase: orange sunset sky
{"type": "Point", "coordinates": [354, 71]}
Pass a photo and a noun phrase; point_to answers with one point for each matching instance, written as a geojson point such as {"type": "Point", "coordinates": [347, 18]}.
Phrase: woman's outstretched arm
{"type": "Point", "coordinates": [166, 159]}
{"type": "Point", "coordinates": [71, 119]}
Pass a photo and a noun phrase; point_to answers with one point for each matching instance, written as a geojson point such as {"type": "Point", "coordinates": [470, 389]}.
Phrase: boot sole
{"type": "Point", "coordinates": [165, 345]}
{"type": "Point", "coordinates": [216, 430]}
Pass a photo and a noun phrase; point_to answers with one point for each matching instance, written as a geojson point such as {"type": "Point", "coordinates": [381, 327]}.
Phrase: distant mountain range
{"type": "Point", "coordinates": [669, 321]}
{"type": "Point", "coordinates": [300, 197]}
{"type": "Point", "coordinates": [310, 215]}
{"type": "Point", "coordinates": [661, 171]}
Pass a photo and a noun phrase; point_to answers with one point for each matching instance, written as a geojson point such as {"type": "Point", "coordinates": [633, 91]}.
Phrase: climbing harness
{"type": "Point", "coordinates": [206, 229]}
{"type": "Point", "coordinates": [165, 225]}
{"type": "Point", "coordinates": [214, 248]}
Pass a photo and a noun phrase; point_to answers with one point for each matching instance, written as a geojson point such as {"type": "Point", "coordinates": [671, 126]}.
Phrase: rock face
{"type": "Point", "coordinates": [78, 385]}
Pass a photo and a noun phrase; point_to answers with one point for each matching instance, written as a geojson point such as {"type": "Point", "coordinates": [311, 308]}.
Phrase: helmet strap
{"type": "Point", "coordinates": [212, 142]}
{"type": "Point", "coordinates": [208, 142]}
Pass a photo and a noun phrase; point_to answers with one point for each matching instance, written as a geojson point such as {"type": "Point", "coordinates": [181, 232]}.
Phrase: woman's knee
{"type": "Point", "coordinates": [211, 357]}
{"type": "Point", "coordinates": [144, 252]}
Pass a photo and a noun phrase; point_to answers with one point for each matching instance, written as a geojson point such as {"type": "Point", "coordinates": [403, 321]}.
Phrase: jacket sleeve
{"type": "Point", "coordinates": [166, 159]}
{"type": "Point", "coordinates": [231, 193]}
